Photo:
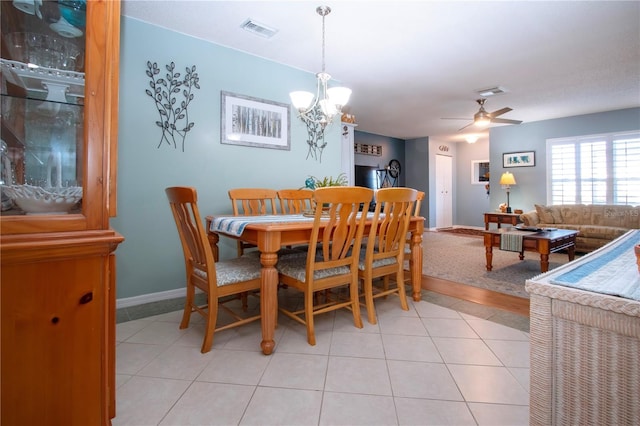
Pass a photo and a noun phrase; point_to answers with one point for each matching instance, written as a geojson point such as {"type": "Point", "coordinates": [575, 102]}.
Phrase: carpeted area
{"type": "Point", "coordinates": [461, 258]}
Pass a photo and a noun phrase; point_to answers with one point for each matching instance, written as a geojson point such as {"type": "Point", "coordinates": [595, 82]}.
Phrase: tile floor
{"type": "Point", "coordinates": [443, 362]}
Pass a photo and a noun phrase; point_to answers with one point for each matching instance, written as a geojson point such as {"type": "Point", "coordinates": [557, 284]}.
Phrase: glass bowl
{"type": "Point", "coordinates": [39, 200]}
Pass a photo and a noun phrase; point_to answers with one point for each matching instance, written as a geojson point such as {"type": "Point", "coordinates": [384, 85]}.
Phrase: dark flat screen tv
{"type": "Point", "coordinates": [366, 176]}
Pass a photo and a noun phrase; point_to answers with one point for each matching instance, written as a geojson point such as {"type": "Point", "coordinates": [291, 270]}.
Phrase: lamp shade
{"type": "Point", "coordinates": [339, 96]}
{"type": "Point", "coordinates": [507, 179]}
{"type": "Point", "coordinates": [301, 100]}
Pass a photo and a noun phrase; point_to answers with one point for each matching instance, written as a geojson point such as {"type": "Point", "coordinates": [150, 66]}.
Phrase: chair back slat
{"type": "Point", "coordinates": [394, 208]}
{"type": "Point", "coordinates": [295, 201]}
{"type": "Point", "coordinates": [339, 227]}
{"type": "Point", "coordinates": [253, 201]}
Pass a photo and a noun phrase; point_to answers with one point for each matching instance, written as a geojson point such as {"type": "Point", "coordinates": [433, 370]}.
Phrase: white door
{"type": "Point", "coordinates": [444, 193]}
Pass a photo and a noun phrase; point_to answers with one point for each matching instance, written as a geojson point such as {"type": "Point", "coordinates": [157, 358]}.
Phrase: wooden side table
{"type": "Point", "coordinates": [500, 218]}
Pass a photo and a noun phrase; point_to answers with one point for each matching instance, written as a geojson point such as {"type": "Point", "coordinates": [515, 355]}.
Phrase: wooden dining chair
{"type": "Point", "coordinates": [216, 279]}
{"type": "Point", "coordinates": [338, 225]}
{"type": "Point", "coordinates": [295, 201]}
{"type": "Point", "coordinates": [252, 202]}
{"type": "Point", "coordinates": [383, 255]}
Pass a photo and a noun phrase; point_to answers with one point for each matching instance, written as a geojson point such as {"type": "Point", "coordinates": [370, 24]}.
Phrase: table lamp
{"type": "Point", "coordinates": [506, 180]}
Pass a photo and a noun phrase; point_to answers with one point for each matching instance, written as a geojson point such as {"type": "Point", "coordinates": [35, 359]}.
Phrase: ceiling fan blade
{"type": "Point", "coordinates": [454, 118]}
{"type": "Point", "coordinates": [462, 128]}
{"type": "Point", "coordinates": [505, 121]}
{"type": "Point", "coordinates": [500, 112]}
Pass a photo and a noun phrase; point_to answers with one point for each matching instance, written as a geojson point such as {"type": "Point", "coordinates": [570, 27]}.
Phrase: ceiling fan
{"type": "Point", "coordinates": [484, 118]}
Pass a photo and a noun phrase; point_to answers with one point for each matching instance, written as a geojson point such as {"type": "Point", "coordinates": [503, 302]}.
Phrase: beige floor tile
{"type": "Point", "coordinates": [177, 362]}
{"type": "Point", "coordinates": [410, 348]}
{"type": "Point", "coordinates": [511, 353]}
{"type": "Point", "coordinates": [500, 415]}
{"type": "Point", "coordinates": [415, 367]}
{"type": "Point", "coordinates": [408, 326]}
{"type": "Point", "coordinates": [295, 371]}
{"type": "Point", "coordinates": [132, 357]}
{"type": "Point", "coordinates": [235, 367]}
{"type": "Point", "coordinates": [446, 327]}
{"type": "Point", "coordinates": [479, 383]}
{"type": "Point", "coordinates": [146, 400]}
{"type": "Point", "coordinates": [210, 404]}
{"type": "Point", "coordinates": [362, 345]}
{"type": "Point", "coordinates": [358, 375]}
{"type": "Point", "coordinates": [491, 330]}
{"type": "Point", "coordinates": [355, 409]}
{"type": "Point", "coordinates": [280, 406]}
{"type": "Point", "coordinates": [431, 412]}
{"type": "Point", "coordinates": [465, 351]}
{"type": "Point", "coordinates": [422, 380]}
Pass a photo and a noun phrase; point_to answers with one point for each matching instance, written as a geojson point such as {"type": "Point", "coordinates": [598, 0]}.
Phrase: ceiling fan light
{"type": "Point", "coordinates": [301, 100]}
{"type": "Point", "coordinates": [482, 121]}
{"type": "Point", "coordinates": [339, 96]}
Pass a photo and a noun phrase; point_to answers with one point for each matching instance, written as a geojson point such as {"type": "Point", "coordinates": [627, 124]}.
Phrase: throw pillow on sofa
{"type": "Point", "coordinates": [548, 214]}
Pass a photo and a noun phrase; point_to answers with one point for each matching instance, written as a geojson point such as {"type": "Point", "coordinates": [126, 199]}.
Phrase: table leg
{"type": "Point", "coordinates": [544, 262]}
{"type": "Point", "coordinates": [488, 249]}
{"type": "Point", "coordinates": [213, 242]}
{"type": "Point", "coordinates": [571, 251]}
{"type": "Point", "coordinates": [268, 300]}
{"type": "Point", "coordinates": [415, 264]}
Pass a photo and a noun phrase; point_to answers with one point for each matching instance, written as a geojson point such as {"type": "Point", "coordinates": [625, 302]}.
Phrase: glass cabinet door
{"type": "Point", "coordinates": [43, 92]}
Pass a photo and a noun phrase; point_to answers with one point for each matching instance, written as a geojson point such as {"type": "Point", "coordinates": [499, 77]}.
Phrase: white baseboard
{"type": "Point", "coordinates": [127, 302]}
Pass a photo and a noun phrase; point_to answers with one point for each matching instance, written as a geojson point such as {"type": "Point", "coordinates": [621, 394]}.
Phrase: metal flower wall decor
{"type": "Point", "coordinates": [315, 136]}
{"type": "Point", "coordinates": [174, 118]}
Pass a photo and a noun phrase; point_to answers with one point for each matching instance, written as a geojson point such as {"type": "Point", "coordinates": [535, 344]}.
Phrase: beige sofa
{"type": "Point", "coordinates": [597, 224]}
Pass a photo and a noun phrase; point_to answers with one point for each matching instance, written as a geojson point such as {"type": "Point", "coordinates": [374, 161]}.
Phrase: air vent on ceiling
{"type": "Point", "coordinates": [492, 91]}
{"type": "Point", "coordinates": [258, 28]}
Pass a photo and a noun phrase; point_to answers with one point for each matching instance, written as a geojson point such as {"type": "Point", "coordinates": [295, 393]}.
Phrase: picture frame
{"type": "Point", "coordinates": [519, 159]}
{"type": "Point", "coordinates": [249, 121]}
{"type": "Point", "coordinates": [480, 172]}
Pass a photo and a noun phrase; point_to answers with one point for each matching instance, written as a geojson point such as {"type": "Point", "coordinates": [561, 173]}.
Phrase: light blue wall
{"type": "Point", "coordinates": [471, 199]}
{"type": "Point", "coordinates": [531, 181]}
{"type": "Point", "coordinates": [150, 260]}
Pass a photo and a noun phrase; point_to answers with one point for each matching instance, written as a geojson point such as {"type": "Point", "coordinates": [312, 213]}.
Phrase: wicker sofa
{"type": "Point", "coordinates": [597, 224]}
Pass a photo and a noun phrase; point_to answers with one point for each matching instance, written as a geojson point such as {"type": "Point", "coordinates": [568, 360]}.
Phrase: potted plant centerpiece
{"type": "Point", "coordinates": [313, 182]}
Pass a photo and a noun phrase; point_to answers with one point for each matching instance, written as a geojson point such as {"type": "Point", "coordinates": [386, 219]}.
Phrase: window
{"type": "Point", "coordinates": [602, 169]}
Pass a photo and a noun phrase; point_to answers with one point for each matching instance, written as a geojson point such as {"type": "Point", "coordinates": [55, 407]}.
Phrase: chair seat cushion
{"type": "Point", "coordinates": [235, 270]}
{"type": "Point", "coordinates": [295, 266]}
{"type": "Point", "coordinates": [376, 263]}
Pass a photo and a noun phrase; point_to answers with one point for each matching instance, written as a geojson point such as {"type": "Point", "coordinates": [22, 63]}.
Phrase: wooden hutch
{"type": "Point", "coordinates": [60, 63]}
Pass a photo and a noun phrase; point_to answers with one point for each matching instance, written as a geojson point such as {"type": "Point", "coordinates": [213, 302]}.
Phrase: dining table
{"type": "Point", "coordinates": [270, 233]}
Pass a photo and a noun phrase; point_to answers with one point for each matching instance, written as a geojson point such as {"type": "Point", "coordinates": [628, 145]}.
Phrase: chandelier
{"type": "Point", "coordinates": [317, 111]}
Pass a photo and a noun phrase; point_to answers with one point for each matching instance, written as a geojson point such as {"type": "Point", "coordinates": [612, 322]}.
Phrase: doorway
{"type": "Point", "coordinates": [444, 191]}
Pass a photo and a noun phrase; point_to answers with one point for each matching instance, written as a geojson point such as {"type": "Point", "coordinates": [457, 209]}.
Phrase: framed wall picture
{"type": "Point", "coordinates": [250, 121]}
{"type": "Point", "coordinates": [480, 172]}
{"type": "Point", "coordinates": [519, 159]}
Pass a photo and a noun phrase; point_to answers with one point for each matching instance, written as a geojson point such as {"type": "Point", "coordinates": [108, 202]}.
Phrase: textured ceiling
{"type": "Point", "coordinates": [411, 63]}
